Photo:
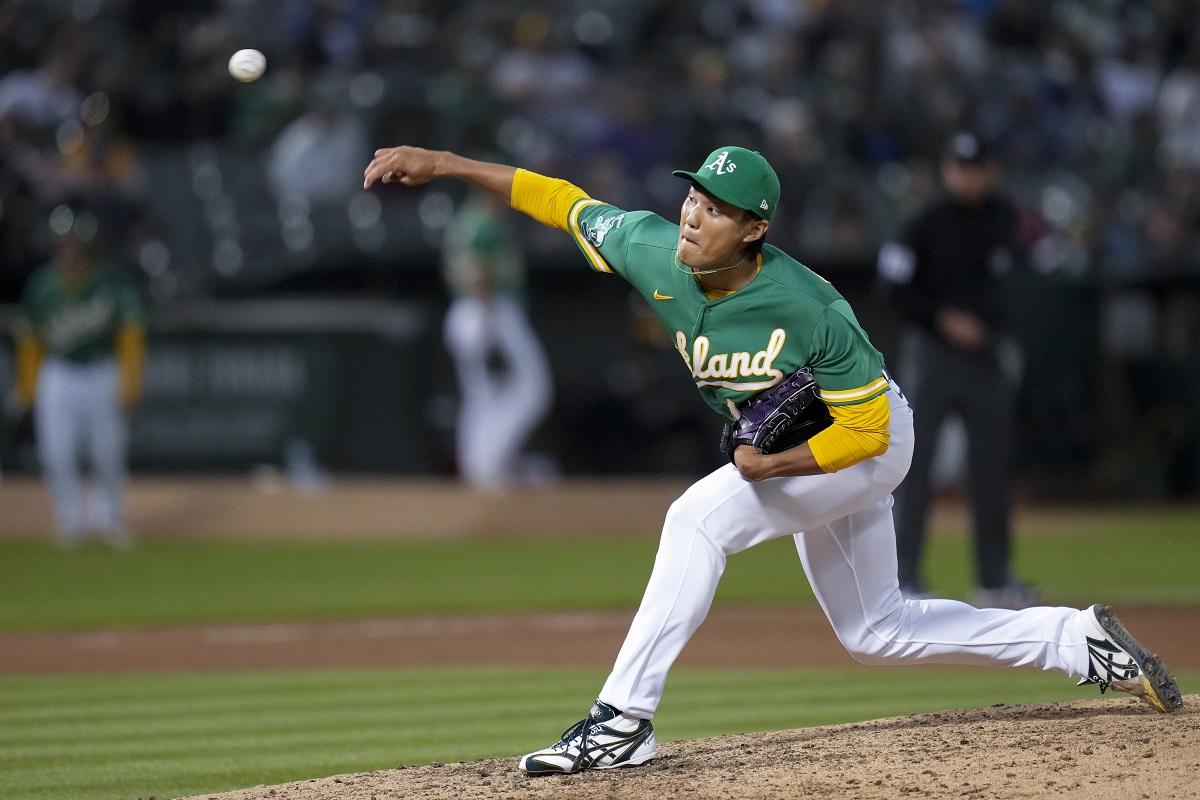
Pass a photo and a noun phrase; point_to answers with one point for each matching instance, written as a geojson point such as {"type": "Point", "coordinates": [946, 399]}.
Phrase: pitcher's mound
{"type": "Point", "coordinates": [1108, 748]}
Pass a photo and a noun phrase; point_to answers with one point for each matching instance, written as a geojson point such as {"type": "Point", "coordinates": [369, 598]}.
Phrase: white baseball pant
{"type": "Point", "coordinates": [80, 405]}
{"type": "Point", "coordinates": [842, 524]}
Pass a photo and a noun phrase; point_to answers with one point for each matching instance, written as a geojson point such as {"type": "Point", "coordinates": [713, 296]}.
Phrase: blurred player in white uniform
{"type": "Point", "coordinates": [503, 375]}
{"type": "Point", "coordinates": [80, 349]}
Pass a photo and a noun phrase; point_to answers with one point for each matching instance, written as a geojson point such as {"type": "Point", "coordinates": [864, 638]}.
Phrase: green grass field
{"type": "Point", "coordinates": [99, 737]}
{"type": "Point", "coordinates": [104, 736]}
{"type": "Point", "coordinates": [1126, 556]}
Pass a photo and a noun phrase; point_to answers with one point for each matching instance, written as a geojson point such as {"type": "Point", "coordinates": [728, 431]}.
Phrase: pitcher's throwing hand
{"type": "Point", "coordinates": [410, 166]}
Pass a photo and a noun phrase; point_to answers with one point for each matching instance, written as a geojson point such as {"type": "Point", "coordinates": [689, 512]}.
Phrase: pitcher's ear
{"type": "Point", "coordinates": [757, 232]}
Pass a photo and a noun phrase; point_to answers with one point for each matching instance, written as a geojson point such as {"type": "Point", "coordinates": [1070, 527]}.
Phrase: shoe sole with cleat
{"type": "Point", "coordinates": [1155, 685]}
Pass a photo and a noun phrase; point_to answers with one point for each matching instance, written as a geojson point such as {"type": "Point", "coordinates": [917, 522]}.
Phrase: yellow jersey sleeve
{"type": "Point", "coordinates": [29, 355]}
{"type": "Point", "coordinates": [547, 200]}
{"type": "Point", "coordinates": [131, 358]}
{"type": "Point", "coordinates": [858, 432]}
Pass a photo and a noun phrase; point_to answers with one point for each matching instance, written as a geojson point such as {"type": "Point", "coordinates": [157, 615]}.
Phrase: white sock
{"type": "Point", "coordinates": [623, 723]}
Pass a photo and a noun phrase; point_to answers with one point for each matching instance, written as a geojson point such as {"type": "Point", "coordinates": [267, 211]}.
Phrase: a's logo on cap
{"type": "Point", "coordinates": [722, 165]}
{"type": "Point", "coordinates": [763, 205]}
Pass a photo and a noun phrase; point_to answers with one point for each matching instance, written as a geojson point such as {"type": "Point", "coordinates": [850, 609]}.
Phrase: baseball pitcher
{"type": "Point", "coordinates": [746, 318]}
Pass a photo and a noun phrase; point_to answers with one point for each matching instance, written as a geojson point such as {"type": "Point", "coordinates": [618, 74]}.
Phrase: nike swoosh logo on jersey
{"type": "Point", "coordinates": [660, 296]}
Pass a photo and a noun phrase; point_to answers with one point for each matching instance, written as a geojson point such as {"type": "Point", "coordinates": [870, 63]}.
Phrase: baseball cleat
{"type": "Point", "coordinates": [1118, 660]}
{"type": "Point", "coordinates": [604, 739]}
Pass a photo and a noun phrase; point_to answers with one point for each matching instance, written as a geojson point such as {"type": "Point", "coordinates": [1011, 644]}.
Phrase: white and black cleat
{"type": "Point", "coordinates": [1118, 660]}
{"type": "Point", "coordinates": [604, 739]}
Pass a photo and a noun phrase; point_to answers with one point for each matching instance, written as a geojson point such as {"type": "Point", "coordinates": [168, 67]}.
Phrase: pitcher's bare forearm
{"type": "Point", "coordinates": [547, 200]}
{"type": "Point", "coordinates": [794, 462]}
{"type": "Point", "coordinates": [413, 166]}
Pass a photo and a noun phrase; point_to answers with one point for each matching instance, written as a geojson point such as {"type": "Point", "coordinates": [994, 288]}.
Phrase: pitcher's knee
{"type": "Point", "coordinates": [682, 519]}
{"type": "Point", "coordinates": [687, 523]}
{"type": "Point", "coordinates": [863, 646]}
{"type": "Point", "coordinates": [875, 642]}
{"type": "Point", "coordinates": [869, 652]}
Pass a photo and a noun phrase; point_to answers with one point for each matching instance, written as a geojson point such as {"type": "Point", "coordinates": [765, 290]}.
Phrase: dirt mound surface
{"type": "Point", "coordinates": [1107, 748]}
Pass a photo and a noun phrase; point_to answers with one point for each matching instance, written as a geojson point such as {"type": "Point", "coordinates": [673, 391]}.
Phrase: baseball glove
{"type": "Point", "coordinates": [779, 418]}
{"type": "Point", "coordinates": [20, 431]}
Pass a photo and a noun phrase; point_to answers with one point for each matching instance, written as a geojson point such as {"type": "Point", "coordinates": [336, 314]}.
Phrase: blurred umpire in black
{"type": "Point", "coordinates": [945, 278]}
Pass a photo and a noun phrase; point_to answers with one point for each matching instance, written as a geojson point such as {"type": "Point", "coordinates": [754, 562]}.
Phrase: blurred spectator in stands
{"type": "Point", "coordinates": [315, 156]}
{"type": "Point", "coordinates": [1103, 94]}
{"type": "Point", "coordinates": [503, 375]}
{"type": "Point", "coordinates": [172, 71]}
{"type": "Point", "coordinates": [944, 275]}
{"type": "Point", "coordinates": [80, 349]}
{"type": "Point", "coordinates": [548, 78]}
{"type": "Point", "coordinates": [1128, 81]}
{"type": "Point", "coordinates": [629, 128]}
{"type": "Point", "coordinates": [96, 155]}
{"type": "Point", "coordinates": [465, 102]}
{"type": "Point", "coordinates": [90, 159]}
{"type": "Point", "coordinates": [1095, 108]}
{"type": "Point", "coordinates": [41, 99]}
{"type": "Point", "coordinates": [700, 101]}
{"type": "Point", "coordinates": [329, 31]}
{"type": "Point", "coordinates": [19, 246]}
{"type": "Point", "coordinates": [1179, 112]}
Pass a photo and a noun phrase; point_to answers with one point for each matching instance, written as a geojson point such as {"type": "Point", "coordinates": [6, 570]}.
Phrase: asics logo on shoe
{"type": "Point", "coordinates": [610, 748]}
{"type": "Point", "coordinates": [592, 744]}
{"type": "Point", "coordinates": [1108, 663]}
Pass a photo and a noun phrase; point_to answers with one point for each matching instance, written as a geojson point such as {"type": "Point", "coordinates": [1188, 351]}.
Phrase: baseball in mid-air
{"type": "Point", "coordinates": [247, 65]}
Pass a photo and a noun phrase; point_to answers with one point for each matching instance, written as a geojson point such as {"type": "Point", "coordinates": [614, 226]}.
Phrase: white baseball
{"type": "Point", "coordinates": [247, 65]}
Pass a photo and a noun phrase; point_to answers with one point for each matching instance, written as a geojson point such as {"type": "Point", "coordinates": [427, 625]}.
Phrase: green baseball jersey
{"type": "Point", "coordinates": [481, 247]}
{"type": "Point", "coordinates": [79, 325]}
{"type": "Point", "coordinates": [786, 318]}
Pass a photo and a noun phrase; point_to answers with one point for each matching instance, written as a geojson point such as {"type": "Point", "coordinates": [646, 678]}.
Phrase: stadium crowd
{"type": "Point", "coordinates": [1092, 106]}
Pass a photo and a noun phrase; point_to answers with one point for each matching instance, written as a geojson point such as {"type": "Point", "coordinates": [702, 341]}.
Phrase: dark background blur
{"type": "Point", "coordinates": [292, 312]}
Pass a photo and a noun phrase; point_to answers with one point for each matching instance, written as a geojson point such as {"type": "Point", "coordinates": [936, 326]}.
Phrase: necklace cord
{"type": "Point", "coordinates": [684, 268]}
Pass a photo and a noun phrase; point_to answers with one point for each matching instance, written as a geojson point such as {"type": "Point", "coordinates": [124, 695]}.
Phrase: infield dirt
{"type": "Point", "coordinates": [1096, 749]}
